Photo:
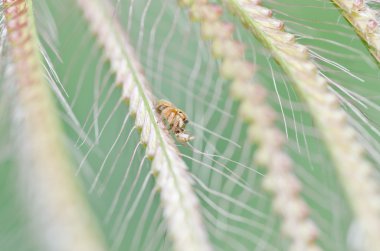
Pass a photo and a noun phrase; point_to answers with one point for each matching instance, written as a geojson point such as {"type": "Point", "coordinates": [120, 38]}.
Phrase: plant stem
{"type": "Point", "coordinates": [365, 23]}
{"type": "Point", "coordinates": [179, 202]}
{"type": "Point", "coordinates": [59, 215]}
{"type": "Point", "coordinates": [280, 180]}
{"type": "Point", "coordinates": [356, 173]}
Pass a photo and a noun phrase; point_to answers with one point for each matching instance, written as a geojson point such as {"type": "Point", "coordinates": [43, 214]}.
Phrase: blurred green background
{"type": "Point", "coordinates": [178, 65]}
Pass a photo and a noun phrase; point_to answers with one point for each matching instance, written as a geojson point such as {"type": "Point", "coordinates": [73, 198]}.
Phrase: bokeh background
{"type": "Point", "coordinates": [109, 159]}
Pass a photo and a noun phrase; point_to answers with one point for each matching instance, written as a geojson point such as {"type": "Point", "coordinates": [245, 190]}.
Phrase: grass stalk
{"type": "Point", "coordinates": [356, 173]}
{"type": "Point", "coordinates": [180, 205]}
{"type": "Point", "coordinates": [280, 179]}
{"type": "Point", "coordinates": [365, 22]}
{"type": "Point", "coordinates": [54, 201]}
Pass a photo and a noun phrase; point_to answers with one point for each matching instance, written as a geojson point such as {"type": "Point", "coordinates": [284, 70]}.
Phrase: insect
{"type": "Point", "coordinates": [176, 118]}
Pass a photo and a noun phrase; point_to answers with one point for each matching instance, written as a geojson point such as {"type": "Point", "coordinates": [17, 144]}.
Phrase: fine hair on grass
{"type": "Point", "coordinates": [272, 142]}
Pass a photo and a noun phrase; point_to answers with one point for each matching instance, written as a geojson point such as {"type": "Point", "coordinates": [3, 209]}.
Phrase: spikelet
{"type": "Point", "coordinates": [365, 21]}
{"type": "Point", "coordinates": [180, 205]}
{"type": "Point", "coordinates": [341, 139]}
{"type": "Point", "coordinates": [261, 118]}
{"type": "Point", "coordinates": [54, 202]}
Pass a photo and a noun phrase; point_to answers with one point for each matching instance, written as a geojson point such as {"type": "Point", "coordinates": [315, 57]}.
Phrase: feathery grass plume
{"type": "Point", "coordinates": [60, 217]}
{"type": "Point", "coordinates": [355, 171]}
{"type": "Point", "coordinates": [180, 205]}
{"type": "Point", "coordinates": [262, 130]}
{"type": "Point", "coordinates": [365, 21]}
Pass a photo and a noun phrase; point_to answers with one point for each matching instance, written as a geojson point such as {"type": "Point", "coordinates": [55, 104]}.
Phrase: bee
{"type": "Point", "coordinates": [176, 119]}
